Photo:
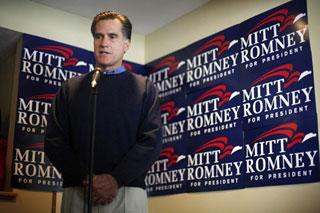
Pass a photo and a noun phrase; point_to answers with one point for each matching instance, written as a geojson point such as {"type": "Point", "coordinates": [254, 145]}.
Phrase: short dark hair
{"type": "Point", "coordinates": [126, 24]}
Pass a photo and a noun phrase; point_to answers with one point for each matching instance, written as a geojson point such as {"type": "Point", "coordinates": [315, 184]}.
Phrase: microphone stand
{"type": "Point", "coordinates": [93, 97]}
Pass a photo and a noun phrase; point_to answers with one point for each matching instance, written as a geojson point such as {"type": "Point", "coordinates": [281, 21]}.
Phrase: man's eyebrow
{"type": "Point", "coordinates": [112, 34]}
{"type": "Point", "coordinates": [98, 34]}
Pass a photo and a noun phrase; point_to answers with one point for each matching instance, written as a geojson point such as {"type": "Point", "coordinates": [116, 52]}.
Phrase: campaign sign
{"type": "Point", "coordinates": [282, 153]}
{"type": "Point", "coordinates": [213, 109]}
{"type": "Point", "coordinates": [168, 74]}
{"type": "Point", "coordinates": [254, 78]}
{"type": "Point", "coordinates": [167, 175]}
{"type": "Point", "coordinates": [276, 35]}
{"type": "Point", "coordinates": [173, 115]}
{"type": "Point", "coordinates": [215, 161]}
{"type": "Point", "coordinates": [278, 92]}
{"type": "Point", "coordinates": [213, 58]}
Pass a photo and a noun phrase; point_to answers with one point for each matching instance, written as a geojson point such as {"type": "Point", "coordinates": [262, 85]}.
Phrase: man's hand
{"type": "Point", "coordinates": [104, 188]}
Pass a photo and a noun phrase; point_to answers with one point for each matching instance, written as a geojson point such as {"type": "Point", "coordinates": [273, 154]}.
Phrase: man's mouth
{"type": "Point", "coordinates": [104, 52]}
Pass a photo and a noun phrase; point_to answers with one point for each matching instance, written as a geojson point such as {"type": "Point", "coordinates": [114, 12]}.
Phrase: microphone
{"type": "Point", "coordinates": [95, 77]}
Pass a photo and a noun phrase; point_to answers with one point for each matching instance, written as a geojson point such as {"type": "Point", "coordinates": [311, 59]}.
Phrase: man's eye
{"type": "Point", "coordinates": [97, 36]}
{"type": "Point", "coordinates": [113, 36]}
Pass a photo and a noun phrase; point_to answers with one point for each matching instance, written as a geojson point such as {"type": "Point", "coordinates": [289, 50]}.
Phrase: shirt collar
{"type": "Point", "coordinates": [119, 70]}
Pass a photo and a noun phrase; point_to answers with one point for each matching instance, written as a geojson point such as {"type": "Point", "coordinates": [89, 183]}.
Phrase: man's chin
{"type": "Point", "coordinates": [103, 65]}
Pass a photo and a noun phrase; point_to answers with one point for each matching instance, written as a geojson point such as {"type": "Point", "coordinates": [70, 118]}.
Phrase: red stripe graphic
{"type": "Point", "coordinates": [220, 91]}
{"type": "Point", "coordinates": [169, 61]}
{"type": "Point", "coordinates": [280, 16]}
{"type": "Point", "coordinates": [220, 143]}
{"type": "Point", "coordinates": [48, 96]}
{"type": "Point", "coordinates": [297, 138]}
{"type": "Point", "coordinates": [219, 42]}
{"type": "Point", "coordinates": [284, 71]}
{"type": "Point", "coordinates": [127, 66]}
{"type": "Point", "coordinates": [36, 146]}
{"type": "Point", "coordinates": [227, 151]}
{"type": "Point", "coordinates": [65, 52]}
{"type": "Point", "coordinates": [171, 108]}
{"type": "Point", "coordinates": [169, 153]}
{"type": "Point", "coordinates": [287, 129]}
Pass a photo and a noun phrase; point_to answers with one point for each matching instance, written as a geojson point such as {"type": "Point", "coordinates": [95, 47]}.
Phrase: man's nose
{"type": "Point", "coordinates": [105, 41]}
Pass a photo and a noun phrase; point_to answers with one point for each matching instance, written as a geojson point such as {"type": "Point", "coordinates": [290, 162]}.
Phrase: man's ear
{"type": "Point", "coordinates": [126, 45]}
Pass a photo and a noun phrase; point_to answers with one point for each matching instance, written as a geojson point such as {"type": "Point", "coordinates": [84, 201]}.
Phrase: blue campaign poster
{"type": "Point", "coordinates": [230, 90]}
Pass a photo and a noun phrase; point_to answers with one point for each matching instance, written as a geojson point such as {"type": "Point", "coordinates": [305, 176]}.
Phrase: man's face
{"type": "Point", "coordinates": [109, 44]}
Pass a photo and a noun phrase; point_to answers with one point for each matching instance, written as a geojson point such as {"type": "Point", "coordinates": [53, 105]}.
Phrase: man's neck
{"type": "Point", "coordinates": [118, 70]}
{"type": "Point", "coordinates": [110, 68]}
